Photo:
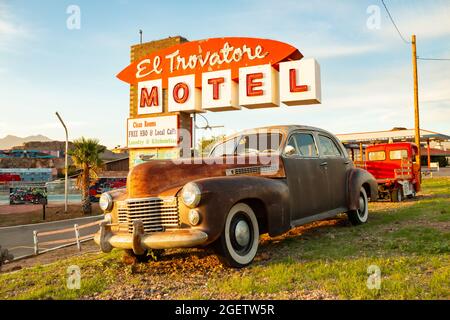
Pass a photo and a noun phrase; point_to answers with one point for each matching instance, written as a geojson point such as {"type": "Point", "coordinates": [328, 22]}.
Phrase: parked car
{"type": "Point", "coordinates": [395, 169]}
{"type": "Point", "coordinates": [232, 197]}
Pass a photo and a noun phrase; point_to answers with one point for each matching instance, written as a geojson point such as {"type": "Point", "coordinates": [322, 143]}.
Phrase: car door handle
{"type": "Point", "coordinates": [323, 164]}
{"type": "Point", "coordinates": [347, 162]}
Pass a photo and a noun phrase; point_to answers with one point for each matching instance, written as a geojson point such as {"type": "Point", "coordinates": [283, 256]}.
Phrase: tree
{"type": "Point", "coordinates": [205, 144]}
{"type": "Point", "coordinates": [86, 157]}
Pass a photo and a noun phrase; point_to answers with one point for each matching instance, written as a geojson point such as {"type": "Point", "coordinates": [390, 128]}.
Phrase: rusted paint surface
{"type": "Point", "coordinates": [158, 177]}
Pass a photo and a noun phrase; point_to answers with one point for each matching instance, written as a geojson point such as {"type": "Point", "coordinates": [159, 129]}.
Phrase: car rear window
{"type": "Point", "coordinates": [266, 142]}
{"type": "Point", "coordinates": [328, 147]}
{"type": "Point", "coordinates": [377, 155]}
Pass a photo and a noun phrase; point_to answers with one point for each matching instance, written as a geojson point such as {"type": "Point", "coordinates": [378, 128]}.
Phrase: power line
{"type": "Point", "coordinates": [436, 59]}
{"type": "Point", "coordinates": [404, 40]}
{"type": "Point", "coordinates": [393, 22]}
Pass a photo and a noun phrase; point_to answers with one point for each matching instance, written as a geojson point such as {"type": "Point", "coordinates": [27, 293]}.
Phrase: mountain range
{"type": "Point", "coordinates": [11, 141]}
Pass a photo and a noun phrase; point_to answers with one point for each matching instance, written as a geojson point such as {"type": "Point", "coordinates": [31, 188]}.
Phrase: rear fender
{"type": "Point", "coordinates": [356, 179]}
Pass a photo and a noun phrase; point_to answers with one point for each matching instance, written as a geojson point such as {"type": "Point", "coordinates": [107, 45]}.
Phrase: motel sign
{"type": "Point", "coordinates": [223, 74]}
{"type": "Point", "coordinates": [173, 78]}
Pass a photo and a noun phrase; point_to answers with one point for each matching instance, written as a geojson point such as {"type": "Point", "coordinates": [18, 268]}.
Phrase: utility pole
{"type": "Point", "coordinates": [66, 167]}
{"type": "Point", "coordinates": [416, 102]}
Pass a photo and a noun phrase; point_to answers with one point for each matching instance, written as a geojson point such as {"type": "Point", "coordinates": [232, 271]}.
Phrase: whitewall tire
{"type": "Point", "coordinates": [238, 244]}
{"type": "Point", "coordinates": [360, 215]}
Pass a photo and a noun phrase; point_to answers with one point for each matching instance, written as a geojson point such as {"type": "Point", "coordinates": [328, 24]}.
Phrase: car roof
{"type": "Point", "coordinates": [285, 128]}
{"type": "Point", "coordinates": [393, 145]}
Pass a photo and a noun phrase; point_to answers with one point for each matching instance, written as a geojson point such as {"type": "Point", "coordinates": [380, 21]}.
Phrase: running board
{"type": "Point", "coordinates": [317, 217]}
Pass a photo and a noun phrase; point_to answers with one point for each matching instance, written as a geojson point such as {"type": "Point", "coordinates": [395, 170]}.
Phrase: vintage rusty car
{"type": "Point", "coordinates": [265, 180]}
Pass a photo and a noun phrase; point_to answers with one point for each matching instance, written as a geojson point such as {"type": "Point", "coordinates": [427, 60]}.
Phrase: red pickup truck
{"type": "Point", "coordinates": [394, 168]}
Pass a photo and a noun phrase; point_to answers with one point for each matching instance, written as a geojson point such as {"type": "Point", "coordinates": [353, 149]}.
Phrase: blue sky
{"type": "Point", "coordinates": [366, 72]}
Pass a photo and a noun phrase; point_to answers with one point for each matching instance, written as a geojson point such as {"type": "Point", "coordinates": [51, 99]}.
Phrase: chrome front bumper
{"type": "Point", "coordinates": [139, 241]}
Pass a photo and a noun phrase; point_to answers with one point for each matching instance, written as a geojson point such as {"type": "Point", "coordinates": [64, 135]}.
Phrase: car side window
{"type": "Point", "coordinates": [328, 147]}
{"type": "Point", "coordinates": [304, 144]}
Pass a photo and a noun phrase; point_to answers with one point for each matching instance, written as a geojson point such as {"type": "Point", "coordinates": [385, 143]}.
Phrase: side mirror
{"type": "Point", "coordinates": [289, 150]}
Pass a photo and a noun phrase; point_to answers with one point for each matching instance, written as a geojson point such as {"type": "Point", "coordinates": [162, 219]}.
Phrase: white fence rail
{"type": "Point", "coordinates": [61, 243]}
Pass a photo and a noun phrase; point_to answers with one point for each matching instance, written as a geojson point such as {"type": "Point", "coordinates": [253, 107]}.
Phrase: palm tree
{"type": "Point", "coordinates": [86, 157]}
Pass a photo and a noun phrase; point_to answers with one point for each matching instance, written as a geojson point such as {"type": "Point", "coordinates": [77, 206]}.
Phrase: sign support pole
{"type": "Point", "coordinates": [66, 167]}
{"type": "Point", "coordinates": [416, 103]}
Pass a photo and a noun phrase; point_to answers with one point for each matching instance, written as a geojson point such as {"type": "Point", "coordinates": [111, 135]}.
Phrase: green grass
{"type": "Point", "coordinates": [408, 242]}
{"type": "Point", "coordinates": [401, 278]}
{"type": "Point", "coordinates": [49, 281]}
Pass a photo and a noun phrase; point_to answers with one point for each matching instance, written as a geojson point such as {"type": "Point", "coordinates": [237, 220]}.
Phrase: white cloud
{"type": "Point", "coordinates": [11, 30]}
{"type": "Point", "coordinates": [423, 20]}
{"type": "Point", "coordinates": [339, 50]}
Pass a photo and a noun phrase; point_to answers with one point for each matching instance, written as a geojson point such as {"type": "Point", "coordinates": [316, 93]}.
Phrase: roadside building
{"type": "Point", "coordinates": [115, 168]}
{"type": "Point", "coordinates": [28, 165]}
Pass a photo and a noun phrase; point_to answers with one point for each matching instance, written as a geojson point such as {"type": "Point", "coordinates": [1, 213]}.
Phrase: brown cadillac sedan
{"type": "Point", "coordinates": [266, 180]}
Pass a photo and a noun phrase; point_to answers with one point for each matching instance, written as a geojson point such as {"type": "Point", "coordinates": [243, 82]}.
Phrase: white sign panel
{"type": "Point", "coordinates": [219, 91]}
{"type": "Point", "coordinates": [153, 132]}
{"type": "Point", "coordinates": [183, 95]}
{"type": "Point", "coordinates": [300, 82]}
{"type": "Point", "coordinates": [258, 87]}
{"type": "Point", "coordinates": [150, 97]}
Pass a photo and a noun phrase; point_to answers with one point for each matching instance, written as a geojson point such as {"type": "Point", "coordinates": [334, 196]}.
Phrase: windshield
{"type": "Point", "coordinates": [253, 143]}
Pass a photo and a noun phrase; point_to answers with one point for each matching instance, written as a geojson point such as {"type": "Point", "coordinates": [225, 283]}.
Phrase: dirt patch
{"type": "Point", "coordinates": [11, 215]}
{"type": "Point", "coordinates": [189, 271]}
{"type": "Point", "coordinates": [443, 226]}
{"type": "Point", "coordinates": [306, 231]}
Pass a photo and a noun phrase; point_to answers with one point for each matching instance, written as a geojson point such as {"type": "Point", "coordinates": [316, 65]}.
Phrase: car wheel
{"type": "Point", "coordinates": [397, 195]}
{"type": "Point", "coordinates": [238, 243]}
{"type": "Point", "coordinates": [360, 215]}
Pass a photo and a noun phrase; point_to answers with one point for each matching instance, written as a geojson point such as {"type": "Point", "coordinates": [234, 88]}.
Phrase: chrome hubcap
{"type": "Point", "coordinates": [242, 233]}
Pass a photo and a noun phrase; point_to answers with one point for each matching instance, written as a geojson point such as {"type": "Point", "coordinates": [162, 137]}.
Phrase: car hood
{"type": "Point", "coordinates": [166, 177]}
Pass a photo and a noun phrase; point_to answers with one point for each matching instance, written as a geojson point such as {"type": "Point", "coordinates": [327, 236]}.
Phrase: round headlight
{"type": "Point", "coordinates": [191, 194]}
{"type": "Point", "coordinates": [105, 202]}
{"type": "Point", "coordinates": [194, 217]}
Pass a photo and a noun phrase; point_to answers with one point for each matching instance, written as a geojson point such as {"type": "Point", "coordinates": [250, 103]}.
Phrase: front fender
{"type": "Point", "coordinates": [356, 179]}
{"type": "Point", "coordinates": [219, 194]}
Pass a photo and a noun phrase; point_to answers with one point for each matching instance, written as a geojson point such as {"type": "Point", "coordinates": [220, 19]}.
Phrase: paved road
{"type": "Point", "coordinates": [19, 239]}
{"type": "Point", "coordinates": [443, 172]}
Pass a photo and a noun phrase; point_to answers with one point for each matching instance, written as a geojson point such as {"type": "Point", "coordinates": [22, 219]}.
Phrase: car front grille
{"type": "Point", "coordinates": [157, 214]}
